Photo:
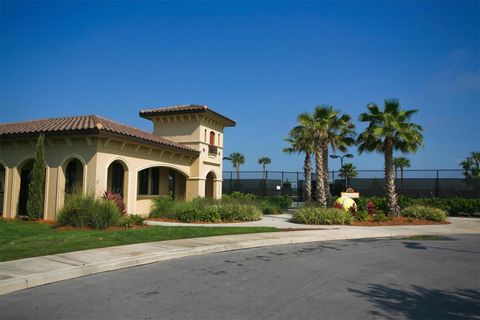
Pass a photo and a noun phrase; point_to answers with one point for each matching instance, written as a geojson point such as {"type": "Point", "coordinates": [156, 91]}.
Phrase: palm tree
{"type": "Point", "coordinates": [471, 166]}
{"type": "Point", "coordinates": [388, 130]}
{"type": "Point", "coordinates": [264, 161]}
{"type": "Point", "coordinates": [340, 134]}
{"type": "Point", "coordinates": [348, 171]}
{"type": "Point", "coordinates": [400, 162]}
{"type": "Point", "coordinates": [316, 125]}
{"type": "Point", "coordinates": [237, 160]}
{"type": "Point", "coordinates": [300, 140]}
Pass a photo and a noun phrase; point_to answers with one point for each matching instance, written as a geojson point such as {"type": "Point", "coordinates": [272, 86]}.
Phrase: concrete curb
{"type": "Point", "coordinates": [76, 264]}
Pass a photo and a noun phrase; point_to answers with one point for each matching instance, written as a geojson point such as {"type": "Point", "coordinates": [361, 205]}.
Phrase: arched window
{"type": "Point", "coordinates": [73, 176]}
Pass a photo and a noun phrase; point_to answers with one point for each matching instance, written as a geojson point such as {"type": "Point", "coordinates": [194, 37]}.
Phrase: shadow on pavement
{"type": "Point", "coordinates": [421, 303]}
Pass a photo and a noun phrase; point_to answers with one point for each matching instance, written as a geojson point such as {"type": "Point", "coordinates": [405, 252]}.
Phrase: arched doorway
{"type": "Point", "coordinates": [73, 176]}
{"type": "Point", "coordinates": [117, 176]}
{"type": "Point", "coordinates": [210, 186]}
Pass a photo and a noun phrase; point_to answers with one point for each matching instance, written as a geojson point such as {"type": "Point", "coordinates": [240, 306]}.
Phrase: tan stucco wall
{"type": "Point", "coordinates": [14, 154]}
{"type": "Point", "coordinates": [194, 132]}
{"type": "Point", "coordinates": [95, 154]}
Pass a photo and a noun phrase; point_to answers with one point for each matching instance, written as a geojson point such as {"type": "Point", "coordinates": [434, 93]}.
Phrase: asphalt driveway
{"type": "Point", "coordinates": [436, 278]}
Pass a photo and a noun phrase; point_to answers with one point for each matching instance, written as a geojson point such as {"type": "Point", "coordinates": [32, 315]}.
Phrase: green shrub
{"type": "Point", "coordinates": [362, 216]}
{"type": "Point", "coordinates": [163, 207]}
{"type": "Point", "coordinates": [239, 197]}
{"type": "Point", "coordinates": [76, 210]}
{"type": "Point", "coordinates": [82, 210]}
{"type": "Point", "coordinates": [315, 215]}
{"type": "Point", "coordinates": [453, 206]}
{"type": "Point", "coordinates": [424, 213]}
{"type": "Point", "coordinates": [194, 212]}
{"type": "Point", "coordinates": [269, 208]}
{"type": "Point", "coordinates": [284, 202]}
{"type": "Point", "coordinates": [106, 214]}
{"type": "Point", "coordinates": [239, 212]}
{"type": "Point", "coordinates": [130, 220]}
{"type": "Point", "coordinates": [380, 216]}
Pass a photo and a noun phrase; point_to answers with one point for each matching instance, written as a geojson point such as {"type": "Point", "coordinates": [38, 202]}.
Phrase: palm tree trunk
{"type": "Point", "coordinates": [238, 173]}
{"type": "Point", "coordinates": [390, 180]}
{"type": "Point", "coordinates": [307, 171]}
{"type": "Point", "coordinates": [320, 190]}
{"type": "Point", "coordinates": [325, 172]}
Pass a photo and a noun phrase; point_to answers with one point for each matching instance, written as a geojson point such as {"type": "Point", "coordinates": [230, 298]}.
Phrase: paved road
{"type": "Point", "coordinates": [350, 279]}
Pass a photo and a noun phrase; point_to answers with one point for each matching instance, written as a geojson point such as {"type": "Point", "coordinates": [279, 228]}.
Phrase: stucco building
{"type": "Point", "coordinates": [182, 157]}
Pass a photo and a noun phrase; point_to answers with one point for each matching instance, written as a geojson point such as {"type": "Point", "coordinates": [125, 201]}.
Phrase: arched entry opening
{"type": "Point", "coordinates": [117, 178]}
{"type": "Point", "coordinates": [210, 186]}
{"type": "Point", "coordinates": [25, 172]}
{"type": "Point", "coordinates": [73, 171]}
{"type": "Point", "coordinates": [161, 181]}
{"type": "Point", "coordinates": [2, 188]}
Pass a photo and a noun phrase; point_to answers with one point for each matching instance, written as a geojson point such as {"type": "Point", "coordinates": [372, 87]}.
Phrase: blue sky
{"type": "Point", "coordinates": [260, 63]}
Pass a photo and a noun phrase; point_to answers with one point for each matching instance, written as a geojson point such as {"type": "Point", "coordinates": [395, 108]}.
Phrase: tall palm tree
{"type": "Point", "coordinates": [264, 161]}
{"type": "Point", "coordinates": [316, 124]}
{"type": "Point", "coordinates": [388, 130]}
{"type": "Point", "coordinates": [237, 160]}
{"type": "Point", "coordinates": [300, 140]}
{"type": "Point", "coordinates": [400, 162]}
{"type": "Point", "coordinates": [340, 134]}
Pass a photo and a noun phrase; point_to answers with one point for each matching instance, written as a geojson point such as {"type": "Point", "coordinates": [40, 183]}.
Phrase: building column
{"type": "Point", "coordinates": [195, 188]}
{"type": "Point", "coordinates": [217, 189]}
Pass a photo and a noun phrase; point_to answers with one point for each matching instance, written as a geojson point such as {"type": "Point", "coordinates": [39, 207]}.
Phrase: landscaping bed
{"type": "Point", "coordinates": [401, 221]}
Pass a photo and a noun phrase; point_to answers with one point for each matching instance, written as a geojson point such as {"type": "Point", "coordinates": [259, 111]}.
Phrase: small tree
{"type": "Point", "coordinates": [237, 160]}
{"type": "Point", "coordinates": [402, 163]}
{"type": "Point", "coordinates": [348, 171]}
{"type": "Point", "coordinates": [471, 166]}
{"type": "Point", "coordinates": [37, 184]}
{"type": "Point", "coordinates": [264, 161]}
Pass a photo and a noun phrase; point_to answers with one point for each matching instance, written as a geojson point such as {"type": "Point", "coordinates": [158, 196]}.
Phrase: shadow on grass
{"type": "Point", "coordinates": [418, 302]}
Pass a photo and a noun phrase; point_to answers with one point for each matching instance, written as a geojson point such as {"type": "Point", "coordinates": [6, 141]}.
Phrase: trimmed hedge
{"type": "Point", "coordinates": [453, 206]}
{"type": "Point", "coordinates": [238, 208]}
{"type": "Point", "coordinates": [315, 215]}
{"type": "Point", "coordinates": [424, 213]}
{"type": "Point", "coordinates": [239, 212]}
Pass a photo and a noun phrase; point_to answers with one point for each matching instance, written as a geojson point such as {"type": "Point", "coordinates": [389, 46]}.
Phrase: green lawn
{"type": "Point", "coordinates": [20, 239]}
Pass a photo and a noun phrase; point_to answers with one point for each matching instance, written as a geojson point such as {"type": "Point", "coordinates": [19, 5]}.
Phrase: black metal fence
{"type": "Point", "coordinates": [412, 183]}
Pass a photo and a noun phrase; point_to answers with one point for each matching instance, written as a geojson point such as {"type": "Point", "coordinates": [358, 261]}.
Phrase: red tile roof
{"type": "Point", "coordinates": [85, 125]}
{"type": "Point", "coordinates": [185, 109]}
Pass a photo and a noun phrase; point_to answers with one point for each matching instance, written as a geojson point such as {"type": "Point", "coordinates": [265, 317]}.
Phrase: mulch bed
{"type": "Point", "coordinates": [401, 221]}
{"type": "Point", "coordinates": [196, 222]}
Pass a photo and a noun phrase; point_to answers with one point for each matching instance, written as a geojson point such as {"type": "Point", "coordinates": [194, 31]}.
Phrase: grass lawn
{"type": "Point", "coordinates": [21, 239]}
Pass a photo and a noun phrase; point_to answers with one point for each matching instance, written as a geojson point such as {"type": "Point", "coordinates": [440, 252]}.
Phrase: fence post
{"type": "Point", "coordinates": [266, 183]}
{"type": "Point", "coordinates": [437, 186]}
{"type": "Point", "coordinates": [231, 182]}
{"type": "Point", "coordinates": [298, 191]}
